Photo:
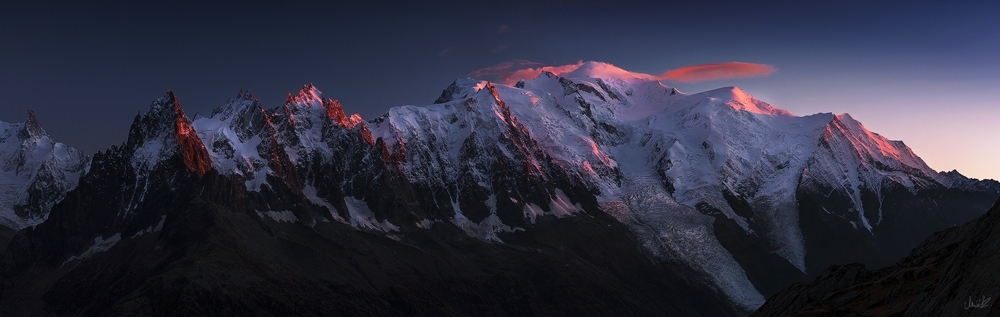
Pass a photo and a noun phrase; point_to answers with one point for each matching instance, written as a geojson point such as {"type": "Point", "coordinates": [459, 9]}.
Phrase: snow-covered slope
{"type": "Point", "coordinates": [614, 130]}
{"type": "Point", "coordinates": [35, 172]}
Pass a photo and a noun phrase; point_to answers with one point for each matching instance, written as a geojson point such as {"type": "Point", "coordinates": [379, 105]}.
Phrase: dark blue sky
{"type": "Point", "coordinates": [923, 73]}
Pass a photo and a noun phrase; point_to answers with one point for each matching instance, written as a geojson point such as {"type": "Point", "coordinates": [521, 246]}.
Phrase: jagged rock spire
{"type": "Point", "coordinates": [32, 127]}
{"type": "Point", "coordinates": [193, 151]}
{"type": "Point", "coordinates": [335, 111]}
{"type": "Point", "coordinates": [166, 122]}
{"type": "Point", "coordinates": [308, 96]}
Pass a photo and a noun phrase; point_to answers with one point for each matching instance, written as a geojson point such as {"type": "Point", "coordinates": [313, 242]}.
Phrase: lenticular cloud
{"type": "Point", "coordinates": [717, 71]}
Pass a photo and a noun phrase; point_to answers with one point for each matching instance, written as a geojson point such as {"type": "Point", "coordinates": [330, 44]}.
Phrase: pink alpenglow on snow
{"type": "Point", "coordinates": [508, 73]}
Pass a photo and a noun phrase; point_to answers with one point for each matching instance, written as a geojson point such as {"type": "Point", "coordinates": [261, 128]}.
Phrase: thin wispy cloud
{"type": "Point", "coordinates": [500, 72]}
{"type": "Point", "coordinates": [531, 73]}
{"type": "Point", "coordinates": [509, 72]}
{"type": "Point", "coordinates": [504, 28]}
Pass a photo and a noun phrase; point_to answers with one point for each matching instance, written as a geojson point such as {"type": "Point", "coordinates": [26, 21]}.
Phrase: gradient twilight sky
{"type": "Point", "coordinates": [927, 74]}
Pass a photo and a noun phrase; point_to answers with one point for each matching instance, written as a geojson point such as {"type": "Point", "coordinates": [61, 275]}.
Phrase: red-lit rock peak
{"type": "Point", "coordinates": [190, 147]}
{"type": "Point", "coordinates": [335, 111]}
{"type": "Point", "coordinates": [366, 134]}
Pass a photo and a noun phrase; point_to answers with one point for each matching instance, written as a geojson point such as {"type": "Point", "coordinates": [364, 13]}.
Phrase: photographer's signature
{"type": "Point", "coordinates": [983, 302]}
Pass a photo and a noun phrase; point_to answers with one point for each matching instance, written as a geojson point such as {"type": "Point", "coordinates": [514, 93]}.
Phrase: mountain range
{"type": "Point", "coordinates": [594, 192]}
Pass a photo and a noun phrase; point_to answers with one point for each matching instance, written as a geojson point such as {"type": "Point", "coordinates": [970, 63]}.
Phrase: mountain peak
{"type": "Point", "coordinates": [308, 96]}
{"type": "Point", "coordinates": [604, 70]}
{"type": "Point", "coordinates": [854, 125]}
{"type": "Point", "coordinates": [335, 111]}
{"type": "Point", "coordinates": [847, 118]}
{"type": "Point", "coordinates": [739, 99]}
{"type": "Point", "coordinates": [164, 121]}
{"type": "Point", "coordinates": [244, 101]}
{"type": "Point", "coordinates": [32, 127]}
{"type": "Point", "coordinates": [874, 147]}
{"type": "Point", "coordinates": [246, 95]}
{"type": "Point", "coordinates": [730, 92]}
{"type": "Point", "coordinates": [164, 105]}
{"type": "Point", "coordinates": [459, 89]}
{"type": "Point", "coordinates": [192, 150]}
{"type": "Point", "coordinates": [170, 97]}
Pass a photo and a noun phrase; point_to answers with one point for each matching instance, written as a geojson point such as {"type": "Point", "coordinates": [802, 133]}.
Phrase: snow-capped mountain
{"type": "Point", "coordinates": [731, 198]}
{"type": "Point", "coordinates": [35, 172]}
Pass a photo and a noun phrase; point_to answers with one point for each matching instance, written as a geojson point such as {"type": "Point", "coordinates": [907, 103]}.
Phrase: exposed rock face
{"type": "Point", "coordinates": [952, 273]}
{"type": "Point", "coordinates": [190, 147]}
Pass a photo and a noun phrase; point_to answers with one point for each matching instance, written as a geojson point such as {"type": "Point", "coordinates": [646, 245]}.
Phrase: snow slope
{"type": "Point", "coordinates": [622, 133]}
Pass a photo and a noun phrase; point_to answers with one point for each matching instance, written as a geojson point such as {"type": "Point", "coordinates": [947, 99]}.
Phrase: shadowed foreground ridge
{"type": "Point", "coordinates": [210, 257]}
{"type": "Point", "coordinates": [955, 272]}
